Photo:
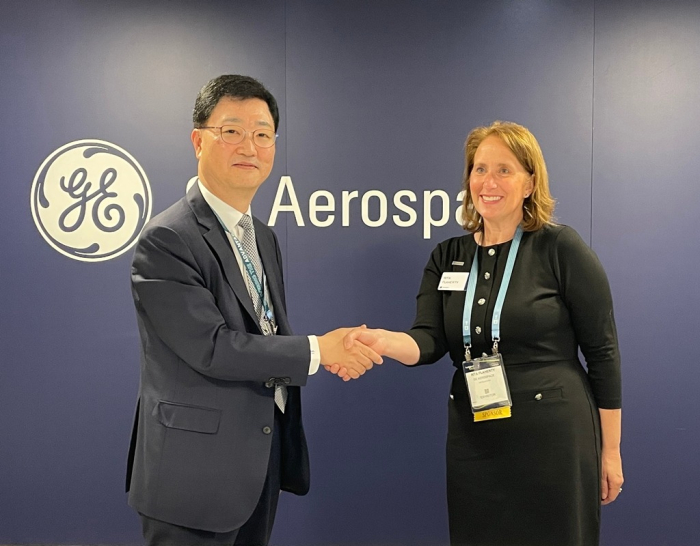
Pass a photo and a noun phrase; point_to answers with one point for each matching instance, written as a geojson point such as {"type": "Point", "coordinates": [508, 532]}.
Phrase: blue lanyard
{"type": "Point", "coordinates": [257, 285]}
{"type": "Point", "coordinates": [498, 308]}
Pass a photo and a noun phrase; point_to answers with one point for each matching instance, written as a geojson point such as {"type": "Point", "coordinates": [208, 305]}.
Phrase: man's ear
{"type": "Point", "coordinates": [196, 138]}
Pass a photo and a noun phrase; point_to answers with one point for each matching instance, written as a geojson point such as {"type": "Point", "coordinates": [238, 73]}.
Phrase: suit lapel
{"type": "Point", "coordinates": [217, 240]}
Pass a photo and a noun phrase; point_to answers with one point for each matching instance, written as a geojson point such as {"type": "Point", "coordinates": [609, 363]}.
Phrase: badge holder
{"type": "Point", "coordinates": [268, 325]}
{"type": "Point", "coordinates": [488, 385]}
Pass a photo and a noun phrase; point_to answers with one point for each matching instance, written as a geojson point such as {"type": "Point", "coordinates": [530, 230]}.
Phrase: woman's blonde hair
{"type": "Point", "coordinates": [538, 207]}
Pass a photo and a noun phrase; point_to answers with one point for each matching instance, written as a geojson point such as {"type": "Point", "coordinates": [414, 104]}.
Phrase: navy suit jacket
{"type": "Point", "coordinates": [201, 440]}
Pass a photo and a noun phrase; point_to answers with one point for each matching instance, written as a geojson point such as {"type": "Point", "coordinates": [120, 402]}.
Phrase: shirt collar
{"type": "Point", "coordinates": [226, 213]}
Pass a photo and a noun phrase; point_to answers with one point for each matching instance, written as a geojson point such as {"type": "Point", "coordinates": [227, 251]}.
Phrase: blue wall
{"type": "Point", "coordinates": [373, 96]}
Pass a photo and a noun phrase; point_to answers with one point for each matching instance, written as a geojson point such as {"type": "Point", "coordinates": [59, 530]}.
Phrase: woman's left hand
{"type": "Point", "coordinates": [611, 466]}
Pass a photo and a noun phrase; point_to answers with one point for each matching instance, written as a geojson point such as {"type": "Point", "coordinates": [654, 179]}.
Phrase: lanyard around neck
{"type": "Point", "coordinates": [250, 269]}
{"type": "Point", "coordinates": [498, 308]}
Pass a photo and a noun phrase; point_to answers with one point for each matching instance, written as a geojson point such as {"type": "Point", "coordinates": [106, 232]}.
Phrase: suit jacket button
{"type": "Point", "coordinates": [267, 430]}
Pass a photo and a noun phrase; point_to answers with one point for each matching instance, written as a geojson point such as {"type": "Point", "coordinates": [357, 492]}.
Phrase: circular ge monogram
{"type": "Point", "coordinates": [90, 200]}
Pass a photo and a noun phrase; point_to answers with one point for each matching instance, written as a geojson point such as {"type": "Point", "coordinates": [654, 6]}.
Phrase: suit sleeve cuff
{"type": "Point", "coordinates": [315, 355]}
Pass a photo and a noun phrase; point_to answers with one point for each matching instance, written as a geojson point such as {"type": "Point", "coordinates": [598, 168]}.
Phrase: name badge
{"type": "Point", "coordinates": [488, 388]}
{"type": "Point", "coordinates": [453, 280]}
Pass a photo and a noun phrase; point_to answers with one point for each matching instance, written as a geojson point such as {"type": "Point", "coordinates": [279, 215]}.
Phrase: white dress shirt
{"type": "Point", "coordinates": [230, 217]}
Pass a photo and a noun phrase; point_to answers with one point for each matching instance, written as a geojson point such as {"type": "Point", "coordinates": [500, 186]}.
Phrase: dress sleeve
{"type": "Point", "coordinates": [428, 328]}
{"type": "Point", "coordinates": [585, 291]}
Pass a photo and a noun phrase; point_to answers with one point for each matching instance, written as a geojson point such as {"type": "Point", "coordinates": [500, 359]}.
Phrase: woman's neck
{"type": "Point", "coordinates": [494, 234]}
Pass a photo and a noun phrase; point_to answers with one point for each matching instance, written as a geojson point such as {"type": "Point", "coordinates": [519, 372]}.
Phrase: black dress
{"type": "Point", "coordinates": [532, 479]}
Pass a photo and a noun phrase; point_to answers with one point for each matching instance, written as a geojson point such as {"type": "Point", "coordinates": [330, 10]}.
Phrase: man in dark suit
{"type": "Point", "coordinates": [218, 430]}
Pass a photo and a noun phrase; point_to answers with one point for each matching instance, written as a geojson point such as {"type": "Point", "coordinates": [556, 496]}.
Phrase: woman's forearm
{"type": "Point", "coordinates": [402, 347]}
{"type": "Point", "coordinates": [611, 429]}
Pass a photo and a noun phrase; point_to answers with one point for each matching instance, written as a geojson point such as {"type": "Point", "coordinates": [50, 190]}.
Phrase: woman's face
{"type": "Point", "coordinates": [498, 183]}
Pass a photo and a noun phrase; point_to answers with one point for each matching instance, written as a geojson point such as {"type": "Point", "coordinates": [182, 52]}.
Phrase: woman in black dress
{"type": "Point", "coordinates": [539, 476]}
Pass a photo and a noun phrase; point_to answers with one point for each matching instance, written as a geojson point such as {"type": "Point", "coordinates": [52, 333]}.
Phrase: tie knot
{"type": "Point", "coordinates": [246, 222]}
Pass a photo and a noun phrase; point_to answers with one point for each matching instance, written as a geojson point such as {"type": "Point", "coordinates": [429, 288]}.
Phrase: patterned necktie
{"type": "Point", "coordinates": [251, 248]}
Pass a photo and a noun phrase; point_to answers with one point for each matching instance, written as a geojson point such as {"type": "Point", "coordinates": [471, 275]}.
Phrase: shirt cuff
{"type": "Point", "coordinates": [315, 355]}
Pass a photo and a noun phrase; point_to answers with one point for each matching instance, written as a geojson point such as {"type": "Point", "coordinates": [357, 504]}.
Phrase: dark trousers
{"type": "Point", "coordinates": [254, 532]}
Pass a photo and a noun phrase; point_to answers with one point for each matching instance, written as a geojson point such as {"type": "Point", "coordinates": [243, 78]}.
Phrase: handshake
{"type": "Point", "coordinates": [350, 352]}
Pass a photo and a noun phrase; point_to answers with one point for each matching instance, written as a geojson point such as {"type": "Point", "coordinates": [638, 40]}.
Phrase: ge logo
{"type": "Point", "coordinates": [90, 200]}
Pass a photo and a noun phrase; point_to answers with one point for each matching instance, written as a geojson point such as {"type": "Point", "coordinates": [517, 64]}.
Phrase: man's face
{"type": "Point", "coordinates": [234, 170]}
